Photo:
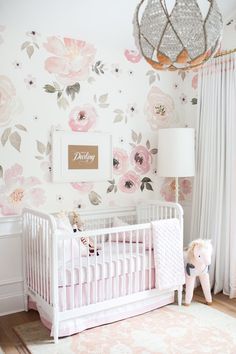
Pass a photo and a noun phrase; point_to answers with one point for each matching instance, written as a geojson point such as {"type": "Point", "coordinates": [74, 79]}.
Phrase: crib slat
{"type": "Point", "coordinates": [110, 268]}
{"type": "Point", "coordinates": [136, 274]}
{"type": "Point", "coordinates": [117, 277]}
{"type": "Point", "coordinates": [149, 261]}
{"type": "Point", "coordinates": [124, 266]}
{"type": "Point", "coordinates": [88, 277]}
{"type": "Point", "coordinates": [95, 271]}
{"type": "Point", "coordinates": [103, 270]}
{"type": "Point", "coordinates": [130, 261]}
{"type": "Point", "coordinates": [80, 274]}
{"type": "Point", "coordinates": [144, 259]}
{"type": "Point", "coordinates": [72, 274]}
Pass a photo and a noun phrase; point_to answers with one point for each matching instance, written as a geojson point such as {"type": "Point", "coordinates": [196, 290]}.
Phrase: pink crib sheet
{"type": "Point", "coordinates": [124, 261]}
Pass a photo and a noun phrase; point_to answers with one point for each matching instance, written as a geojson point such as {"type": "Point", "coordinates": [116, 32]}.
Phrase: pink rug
{"type": "Point", "coordinates": [196, 329]}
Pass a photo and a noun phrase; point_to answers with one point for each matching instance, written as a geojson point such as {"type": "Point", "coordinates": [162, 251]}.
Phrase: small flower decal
{"type": "Point", "coordinates": [116, 70]}
{"type": "Point", "coordinates": [133, 56]}
{"type": "Point", "coordinates": [82, 118]}
{"type": "Point", "coordinates": [30, 82]}
{"type": "Point", "coordinates": [120, 161]}
{"type": "Point", "coordinates": [183, 99]}
{"type": "Point", "coordinates": [129, 182]}
{"type": "Point", "coordinates": [17, 64]}
{"type": "Point", "coordinates": [132, 109]}
{"type": "Point", "coordinates": [33, 34]}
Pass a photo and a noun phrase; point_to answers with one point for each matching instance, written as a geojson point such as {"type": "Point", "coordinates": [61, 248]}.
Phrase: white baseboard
{"type": "Point", "coordinates": [11, 304]}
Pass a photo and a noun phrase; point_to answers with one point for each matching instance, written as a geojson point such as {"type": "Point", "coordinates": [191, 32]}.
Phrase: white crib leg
{"type": "Point", "coordinates": [55, 329]}
{"type": "Point", "coordinates": [26, 302]}
{"type": "Point", "coordinates": [55, 333]}
{"type": "Point", "coordinates": [180, 291]}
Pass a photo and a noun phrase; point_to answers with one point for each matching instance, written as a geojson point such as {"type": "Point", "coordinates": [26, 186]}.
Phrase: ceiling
{"type": "Point", "coordinates": [104, 22]}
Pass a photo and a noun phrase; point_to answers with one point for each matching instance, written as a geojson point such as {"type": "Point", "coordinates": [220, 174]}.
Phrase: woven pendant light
{"type": "Point", "coordinates": [181, 40]}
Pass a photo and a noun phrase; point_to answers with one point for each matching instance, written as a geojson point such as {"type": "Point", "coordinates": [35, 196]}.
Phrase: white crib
{"type": "Point", "coordinates": [83, 291]}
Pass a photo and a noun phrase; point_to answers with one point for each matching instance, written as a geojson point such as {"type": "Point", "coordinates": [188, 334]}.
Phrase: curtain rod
{"type": "Point", "coordinates": [224, 52]}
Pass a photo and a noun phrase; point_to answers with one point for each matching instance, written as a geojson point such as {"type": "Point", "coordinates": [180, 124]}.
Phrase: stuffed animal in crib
{"type": "Point", "coordinates": [197, 262]}
{"type": "Point", "coordinates": [78, 225]}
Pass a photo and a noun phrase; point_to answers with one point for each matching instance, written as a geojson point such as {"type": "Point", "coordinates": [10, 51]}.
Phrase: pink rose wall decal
{"type": "Point", "coordinates": [8, 100]}
{"type": "Point", "coordinates": [168, 189]}
{"type": "Point", "coordinates": [19, 191]}
{"type": "Point", "coordinates": [129, 182]}
{"type": "Point", "coordinates": [141, 158]}
{"type": "Point", "coordinates": [71, 59]}
{"type": "Point", "coordinates": [120, 161]}
{"type": "Point", "coordinates": [159, 108]}
{"type": "Point", "coordinates": [82, 118]}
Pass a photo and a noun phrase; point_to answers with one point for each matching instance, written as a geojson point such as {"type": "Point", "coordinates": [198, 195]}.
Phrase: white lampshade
{"type": "Point", "coordinates": [175, 156]}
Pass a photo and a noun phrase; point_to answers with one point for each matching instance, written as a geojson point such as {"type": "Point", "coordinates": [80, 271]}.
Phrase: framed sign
{"type": "Point", "coordinates": [81, 156]}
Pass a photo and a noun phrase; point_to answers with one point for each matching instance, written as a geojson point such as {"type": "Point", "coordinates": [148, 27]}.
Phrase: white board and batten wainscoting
{"type": "Point", "coordinates": [11, 261]}
{"type": "Point", "coordinates": [11, 265]}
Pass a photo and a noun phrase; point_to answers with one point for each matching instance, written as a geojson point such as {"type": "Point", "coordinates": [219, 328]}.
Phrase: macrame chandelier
{"type": "Point", "coordinates": [181, 40]}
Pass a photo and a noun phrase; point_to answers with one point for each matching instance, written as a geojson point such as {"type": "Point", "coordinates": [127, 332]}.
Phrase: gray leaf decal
{"type": "Point", "coordinates": [119, 111]}
{"type": "Point", "coordinates": [118, 118]}
{"type": "Point", "coordinates": [5, 136]}
{"type": "Point", "coordinates": [36, 45]}
{"type": "Point", "coordinates": [149, 187]}
{"type": "Point", "coordinates": [139, 138]}
{"type": "Point", "coordinates": [91, 80]}
{"type": "Point", "coordinates": [134, 136]}
{"type": "Point", "coordinates": [48, 149]}
{"type": "Point", "coordinates": [95, 198]}
{"type": "Point", "coordinates": [39, 157]}
{"type": "Point", "coordinates": [1, 171]}
{"type": "Point", "coordinates": [103, 98]}
{"type": "Point", "coordinates": [148, 144]}
{"type": "Point", "coordinates": [153, 151]}
{"type": "Point", "coordinates": [110, 188]}
{"type": "Point", "coordinates": [62, 102]}
{"type": "Point", "coordinates": [56, 85]}
{"type": "Point", "coordinates": [30, 50]}
{"type": "Point", "coordinates": [21, 127]}
{"type": "Point", "coordinates": [15, 140]}
{"type": "Point", "coordinates": [104, 105]}
{"type": "Point", "coordinates": [40, 147]}
{"type": "Point", "coordinates": [49, 88]}
{"type": "Point", "coordinates": [24, 45]}
{"type": "Point", "coordinates": [152, 79]}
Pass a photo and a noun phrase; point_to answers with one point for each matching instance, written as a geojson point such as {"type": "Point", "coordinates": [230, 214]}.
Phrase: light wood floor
{"type": "Point", "coordinates": [11, 344]}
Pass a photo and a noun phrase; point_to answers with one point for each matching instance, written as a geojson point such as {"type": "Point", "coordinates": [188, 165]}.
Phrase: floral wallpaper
{"type": "Point", "coordinates": [48, 81]}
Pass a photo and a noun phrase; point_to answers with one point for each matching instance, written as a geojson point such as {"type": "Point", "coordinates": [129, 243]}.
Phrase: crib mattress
{"type": "Point", "coordinates": [125, 258]}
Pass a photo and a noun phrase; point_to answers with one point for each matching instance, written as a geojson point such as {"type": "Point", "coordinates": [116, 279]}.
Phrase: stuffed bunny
{"type": "Point", "coordinates": [197, 262]}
